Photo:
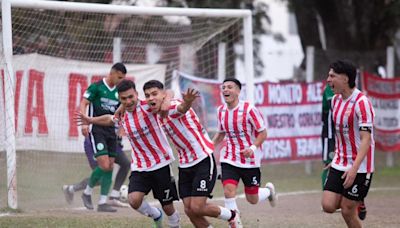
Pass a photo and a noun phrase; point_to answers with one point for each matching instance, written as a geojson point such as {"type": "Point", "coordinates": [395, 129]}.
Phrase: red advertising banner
{"type": "Point", "coordinates": [291, 111]}
{"type": "Point", "coordinates": [385, 97]}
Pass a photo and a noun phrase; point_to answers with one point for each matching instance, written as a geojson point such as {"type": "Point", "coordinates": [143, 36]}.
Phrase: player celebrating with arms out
{"type": "Point", "coordinates": [352, 167]}
{"type": "Point", "coordinates": [151, 155]}
{"type": "Point", "coordinates": [197, 169]}
{"type": "Point", "coordinates": [241, 124]}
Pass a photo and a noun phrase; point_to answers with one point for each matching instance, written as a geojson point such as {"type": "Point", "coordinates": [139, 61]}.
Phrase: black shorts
{"type": "Point", "coordinates": [357, 192]}
{"type": "Point", "coordinates": [103, 144]}
{"type": "Point", "coordinates": [250, 176]}
{"type": "Point", "coordinates": [159, 181]}
{"type": "Point", "coordinates": [198, 180]}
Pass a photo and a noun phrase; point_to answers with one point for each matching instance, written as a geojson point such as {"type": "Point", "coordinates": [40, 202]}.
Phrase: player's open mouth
{"type": "Point", "coordinates": [226, 95]}
{"type": "Point", "coordinates": [152, 104]}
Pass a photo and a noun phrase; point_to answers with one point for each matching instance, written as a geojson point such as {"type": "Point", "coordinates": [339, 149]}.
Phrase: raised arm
{"type": "Point", "coordinates": [188, 98]}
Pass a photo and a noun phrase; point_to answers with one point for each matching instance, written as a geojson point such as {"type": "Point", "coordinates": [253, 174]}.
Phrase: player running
{"type": "Point", "coordinates": [241, 124]}
{"type": "Point", "coordinates": [352, 167]}
{"type": "Point", "coordinates": [197, 168]}
{"type": "Point", "coordinates": [151, 155]}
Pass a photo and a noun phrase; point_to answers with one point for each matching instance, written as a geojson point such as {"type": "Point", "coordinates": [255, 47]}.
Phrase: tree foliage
{"type": "Point", "coordinates": [359, 30]}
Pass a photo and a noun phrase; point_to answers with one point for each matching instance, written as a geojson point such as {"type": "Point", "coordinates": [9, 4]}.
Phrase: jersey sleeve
{"type": "Point", "coordinates": [365, 112]}
{"type": "Point", "coordinates": [91, 92]}
{"type": "Point", "coordinates": [255, 118]}
{"type": "Point", "coordinates": [173, 109]}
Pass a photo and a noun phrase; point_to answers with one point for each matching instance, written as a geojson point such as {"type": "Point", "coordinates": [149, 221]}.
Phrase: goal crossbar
{"type": "Point", "coordinates": [118, 9]}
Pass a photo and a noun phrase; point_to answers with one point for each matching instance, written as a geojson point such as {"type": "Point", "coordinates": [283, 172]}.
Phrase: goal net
{"type": "Point", "coordinates": [59, 48]}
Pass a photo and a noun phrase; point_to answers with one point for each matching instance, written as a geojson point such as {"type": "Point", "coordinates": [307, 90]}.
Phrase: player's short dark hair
{"type": "Point", "coordinates": [125, 85]}
{"type": "Point", "coordinates": [119, 67]}
{"type": "Point", "coordinates": [153, 84]}
{"type": "Point", "coordinates": [234, 80]}
{"type": "Point", "coordinates": [347, 68]}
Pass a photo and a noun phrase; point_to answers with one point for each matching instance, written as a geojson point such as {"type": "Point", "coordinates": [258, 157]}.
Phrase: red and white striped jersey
{"type": "Point", "coordinates": [348, 116]}
{"type": "Point", "coordinates": [241, 126]}
{"type": "Point", "coordinates": [150, 147]}
{"type": "Point", "coordinates": [190, 138]}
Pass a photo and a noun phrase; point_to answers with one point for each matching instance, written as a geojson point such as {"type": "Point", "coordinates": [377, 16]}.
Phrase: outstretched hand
{"type": "Point", "coordinates": [81, 119]}
{"type": "Point", "coordinates": [190, 95]}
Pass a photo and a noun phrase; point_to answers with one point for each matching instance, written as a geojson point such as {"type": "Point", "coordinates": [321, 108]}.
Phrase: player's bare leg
{"type": "Point", "coordinates": [137, 203]}
{"type": "Point", "coordinates": [230, 203]}
{"type": "Point", "coordinates": [350, 213]}
{"type": "Point", "coordinates": [173, 215]}
{"type": "Point", "coordinates": [255, 194]}
{"type": "Point", "coordinates": [330, 201]}
{"type": "Point", "coordinates": [230, 196]}
{"type": "Point", "coordinates": [195, 217]}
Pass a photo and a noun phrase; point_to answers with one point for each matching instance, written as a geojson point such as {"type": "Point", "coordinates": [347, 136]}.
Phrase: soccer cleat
{"type": "Point", "coordinates": [362, 211]}
{"type": "Point", "coordinates": [87, 201]}
{"type": "Point", "coordinates": [115, 202]}
{"type": "Point", "coordinates": [272, 198]}
{"type": "Point", "coordinates": [158, 221]}
{"type": "Point", "coordinates": [105, 208]}
{"type": "Point", "coordinates": [69, 195]}
{"type": "Point", "coordinates": [236, 222]}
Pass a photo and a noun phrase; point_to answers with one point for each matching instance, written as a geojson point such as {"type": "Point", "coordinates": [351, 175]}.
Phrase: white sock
{"type": "Point", "coordinates": [71, 188]}
{"type": "Point", "coordinates": [88, 190]}
{"type": "Point", "coordinates": [147, 210]}
{"type": "Point", "coordinates": [114, 193]}
{"type": "Point", "coordinates": [173, 220]}
{"type": "Point", "coordinates": [230, 203]}
{"type": "Point", "coordinates": [103, 199]}
{"type": "Point", "coordinates": [263, 194]}
{"type": "Point", "coordinates": [210, 226]}
{"type": "Point", "coordinates": [225, 213]}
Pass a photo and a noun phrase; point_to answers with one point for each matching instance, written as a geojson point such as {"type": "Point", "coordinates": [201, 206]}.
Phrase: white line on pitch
{"type": "Point", "coordinates": [241, 196]}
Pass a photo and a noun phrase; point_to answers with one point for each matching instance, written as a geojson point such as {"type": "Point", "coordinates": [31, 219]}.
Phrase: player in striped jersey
{"type": "Point", "coordinates": [197, 169]}
{"type": "Point", "coordinates": [151, 155]}
{"type": "Point", "coordinates": [241, 124]}
{"type": "Point", "coordinates": [352, 167]}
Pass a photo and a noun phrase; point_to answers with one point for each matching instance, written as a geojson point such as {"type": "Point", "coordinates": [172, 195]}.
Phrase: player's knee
{"type": "Point", "coordinates": [188, 211]}
{"type": "Point", "coordinates": [197, 209]}
{"type": "Point", "coordinates": [347, 210]}
{"type": "Point", "coordinates": [328, 208]}
{"type": "Point", "coordinates": [169, 209]}
{"type": "Point", "coordinates": [252, 200]}
{"type": "Point", "coordinates": [134, 202]}
{"type": "Point", "coordinates": [229, 192]}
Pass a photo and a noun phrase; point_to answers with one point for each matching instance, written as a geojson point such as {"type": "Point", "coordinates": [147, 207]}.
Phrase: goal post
{"type": "Point", "coordinates": [48, 44]}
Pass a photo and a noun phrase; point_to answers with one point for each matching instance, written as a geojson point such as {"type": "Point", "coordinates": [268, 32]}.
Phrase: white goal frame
{"type": "Point", "coordinates": [100, 8]}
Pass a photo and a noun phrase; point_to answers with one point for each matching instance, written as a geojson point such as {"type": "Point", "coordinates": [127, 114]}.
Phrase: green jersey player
{"type": "Point", "coordinates": [102, 99]}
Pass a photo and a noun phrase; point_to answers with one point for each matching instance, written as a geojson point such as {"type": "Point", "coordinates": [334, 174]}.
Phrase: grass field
{"type": "Point", "coordinates": [42, 204]}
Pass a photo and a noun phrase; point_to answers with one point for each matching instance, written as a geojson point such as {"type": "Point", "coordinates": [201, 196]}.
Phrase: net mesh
{"type": "Point", "coordinates": [57, 54]}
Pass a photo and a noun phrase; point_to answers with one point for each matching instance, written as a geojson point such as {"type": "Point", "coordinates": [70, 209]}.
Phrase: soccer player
{"type": "Point", "coordinates": [102, 97]}
{"type": "Point", "coordinates": [114, 196]}
{"type": "Point", "coordinates": [352, 167]}
{"type": "Point", "coordinates": [197, 169]}
{"type": "Point", "coordinates": [151, 155]}
{"type": "Point", "coordinates": [241, 124]}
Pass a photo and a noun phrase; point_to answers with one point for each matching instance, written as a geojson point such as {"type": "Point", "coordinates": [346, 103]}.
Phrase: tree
{"type": "Point", "coordinates": [357, 30]}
